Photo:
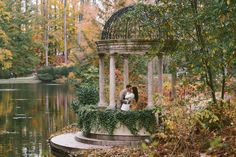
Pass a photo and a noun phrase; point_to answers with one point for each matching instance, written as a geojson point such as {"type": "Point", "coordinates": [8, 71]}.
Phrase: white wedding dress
{"type": "Point", "coordinates": [128, 97]}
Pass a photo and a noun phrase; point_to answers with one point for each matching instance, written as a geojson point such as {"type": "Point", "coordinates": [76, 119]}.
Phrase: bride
{"type": "Point", "coordinates": [130, 98]}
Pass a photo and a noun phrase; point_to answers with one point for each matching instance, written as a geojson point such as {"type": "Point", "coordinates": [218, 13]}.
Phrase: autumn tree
{"type": "Point", "coordinates": [19, 32]}
{"type": "Point", "coordinates": [5, 53]}
{"type": "Point", "coordinates": [204, 32]}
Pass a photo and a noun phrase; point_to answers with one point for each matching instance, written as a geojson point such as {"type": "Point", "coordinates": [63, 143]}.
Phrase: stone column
{"type": "Point", "coordinates": [126, 70]}
{"type": "Point", "coordinates": [112, 83]}
{"type": "Point", "coordinates": [160, 77]}
{"type": "Point", "coordinates": [101, 81]}
{"type": "Point", "coordinates": [150, 85]}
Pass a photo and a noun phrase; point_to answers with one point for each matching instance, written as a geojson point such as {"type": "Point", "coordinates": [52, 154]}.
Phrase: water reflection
{"type": "Point", "coordinates": [29, 115]}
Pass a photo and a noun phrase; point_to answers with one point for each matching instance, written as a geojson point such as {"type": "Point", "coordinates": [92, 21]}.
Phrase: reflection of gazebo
{"type": "Point", "coordinates": [125, 41]}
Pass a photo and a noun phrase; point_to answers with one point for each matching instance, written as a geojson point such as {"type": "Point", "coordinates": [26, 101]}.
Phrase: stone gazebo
{"type": "Point", "coordinates": [125, 42]}
{"type": "Point", "coordinates": [115, 41]}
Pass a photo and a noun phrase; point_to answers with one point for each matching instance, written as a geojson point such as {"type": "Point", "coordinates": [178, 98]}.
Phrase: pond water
{"type": "Point", "coordinates": [29, 113]}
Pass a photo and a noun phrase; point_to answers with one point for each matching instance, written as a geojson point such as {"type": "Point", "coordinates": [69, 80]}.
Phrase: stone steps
{"type": "Point", "coordinates": [117, 137]}
{"type": "Point", "coordinates": [104, 142]}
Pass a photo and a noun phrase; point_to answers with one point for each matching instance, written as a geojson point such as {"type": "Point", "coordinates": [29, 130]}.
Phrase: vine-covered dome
{"type": "Point", "coordinates": [133, 22]}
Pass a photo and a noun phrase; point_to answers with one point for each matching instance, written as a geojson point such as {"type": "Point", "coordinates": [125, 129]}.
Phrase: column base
{"type": "Point", "coordinates": [149, 107]}
{"type": "Point", "coordinates": [102, 104]}
{"type": "Point", "coordinates": [111, 107]}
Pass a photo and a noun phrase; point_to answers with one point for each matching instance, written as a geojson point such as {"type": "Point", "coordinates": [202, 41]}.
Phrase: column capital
{"type": "Point", "coordinates": [125, 55]}
{"type": "Point", "coordinates": [112, 54]}
{"type": "Point", "coordinates": [101, 54]}
{"type": "Point", "coordinates": [160, 55]}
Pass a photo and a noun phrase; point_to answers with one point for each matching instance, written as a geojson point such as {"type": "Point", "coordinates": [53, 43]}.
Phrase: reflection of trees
{"type": "Point", "coordinates": [5, 103]}
{"type": "Point", "coordinates": [6, 111]}
{"type": "Point", "coordinates": [6, 108]}
{"type": "Point", "coordinates": [47, 107]}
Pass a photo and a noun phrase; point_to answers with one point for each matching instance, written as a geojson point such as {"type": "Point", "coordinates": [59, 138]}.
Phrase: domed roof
{"type": "Point", "coordinates": [132, 22]}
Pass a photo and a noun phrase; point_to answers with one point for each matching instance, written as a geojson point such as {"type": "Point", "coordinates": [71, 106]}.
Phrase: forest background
{"type": "Point", "coordinates": [35, 33]}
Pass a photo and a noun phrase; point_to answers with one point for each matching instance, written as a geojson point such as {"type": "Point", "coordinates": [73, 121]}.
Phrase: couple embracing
{"type": "Point", "coordinates": [128, 97]}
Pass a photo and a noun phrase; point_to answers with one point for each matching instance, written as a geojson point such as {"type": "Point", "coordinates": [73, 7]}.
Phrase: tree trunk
{"type": "Point", "coordinates": [198, 28]}
{"type": "Point", "coordinates": [65, 33]}
{"type": "Point", "coordinates": [37, 8]}
{"type": "Point", "coordinates": [210, 83]}
{"type": "Point", "coordinates": [223, 84]}
{"type": "Point", "coordinates": [173, 84]}
{"type": "Point", "coordinates": [45, 9]}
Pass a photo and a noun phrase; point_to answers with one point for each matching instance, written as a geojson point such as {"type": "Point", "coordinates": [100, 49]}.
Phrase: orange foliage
{"type": "Point", "coordinates": [58, 60]}
{"type": "Point", "coordinates": [88, 28]}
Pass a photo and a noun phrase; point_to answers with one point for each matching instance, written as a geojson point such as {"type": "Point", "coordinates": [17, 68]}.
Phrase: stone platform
{"type": "Point", "coordinates": [65, 144]}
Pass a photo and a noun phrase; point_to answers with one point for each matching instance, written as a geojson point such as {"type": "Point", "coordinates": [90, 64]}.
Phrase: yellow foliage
{"type": "Point", "coordinates": [5, 58]}
{"type": "Point", "coordinates": [7, 65]}
{"type": "Point", "coordinates": [71, 75]}
{"type": "Point", "coordinates": [170, 124]}
{"type": "Point", "coordinates": [3, 37]}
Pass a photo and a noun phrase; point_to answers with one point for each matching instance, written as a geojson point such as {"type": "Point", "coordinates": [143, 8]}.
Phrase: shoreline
{"type": "Point", "coordinates": [20, 80]}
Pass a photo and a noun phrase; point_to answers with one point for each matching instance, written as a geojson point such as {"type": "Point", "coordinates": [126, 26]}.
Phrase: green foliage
{"type": "Point", "coordinates": [216, 143]}
{"type": "Point", "coordinates": [91, 117]}
{"type": "Point", "coordinates": [16, 37]}
{"type": "Point", "coordinates": [129, 120]}
{"type": "Point", "coordinates": [213, 144]}
{"type": "Point", "coordinates": [87, 71]}
{"type": "Point", "coordinates": [87, 94]}
{"type": "Point", "coordinates": [198, 35]}
{"type": "Point", "coordinates": [206, 44]}
{"type": "Point", "coordinates": [49, 73]}
{"type": "Point", "coordinates": [108, 120]}
{"type": "Point", "coordinates": [206, 119]}
{"type": "Point", "coordinates": [225, 112]}
{"type": "Point", "coordinates": [46, 77]}
{"type": "Point", "coordinates": [87, 88]}
{"type": "Point", "coordinates": [61, 71]}
{"type": "Point", "coordinates": [214, 117]}
{"type": "Point", "coordinates": [87, 117]}
{"type": "Point", "coordinates": [138, 66]}
{"type": "Point", "coordinates": [5, 74]}
{"type": "Point", "coordinates": [46, 74]}
{"type": "Point", "coordinates": [75, 105]}
{"type": "Point", "coordinates": [5, 53]}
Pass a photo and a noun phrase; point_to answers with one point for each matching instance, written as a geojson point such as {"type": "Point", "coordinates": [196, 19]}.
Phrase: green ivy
{"type": "Point", "coordinates": [86, 95]}
{"type": "Point", "coordinates": [130, 119]}
{"type": "Point", "coordinates": [92, 117]}
{"type": "Point", "coordinates": [108, 120]}
{"type": "Point", "coordinates": [87, 117]}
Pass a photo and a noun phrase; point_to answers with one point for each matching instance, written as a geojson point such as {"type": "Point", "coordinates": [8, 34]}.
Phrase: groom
{"type": "Point", "coordinates": [123, 93]}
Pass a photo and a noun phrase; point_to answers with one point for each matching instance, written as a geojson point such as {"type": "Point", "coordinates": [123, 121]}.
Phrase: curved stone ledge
{"type": "Point", "coordinates": [63, 145]}
{"type": "Point", "coordinates": [132, 46]}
